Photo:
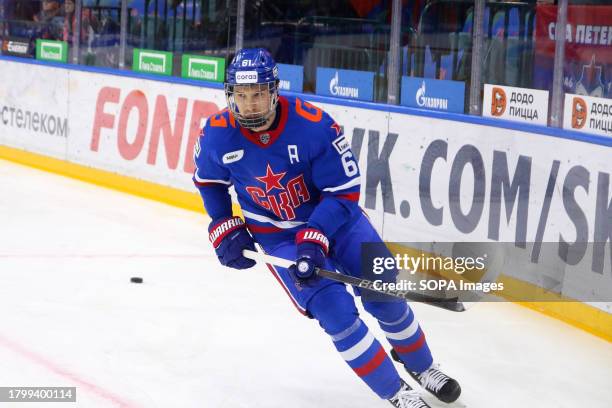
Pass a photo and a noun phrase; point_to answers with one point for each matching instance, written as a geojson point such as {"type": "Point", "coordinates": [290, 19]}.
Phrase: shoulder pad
{"type": "Point", "coordinates": [308, 111]}
{"type": "Point", "coordinates": [221, 119]}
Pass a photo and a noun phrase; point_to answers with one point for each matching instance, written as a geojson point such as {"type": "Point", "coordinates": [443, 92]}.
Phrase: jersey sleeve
{"type": "Point", "coordinates": [335, 173]}
{"type": "Point", "coordinates": [208, 168]}
{"type": "Point", "coordinates": [211, 178]}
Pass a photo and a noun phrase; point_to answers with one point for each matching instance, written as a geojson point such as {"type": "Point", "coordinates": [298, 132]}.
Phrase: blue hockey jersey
{"type": "Point", "coordinates": [300, 173]}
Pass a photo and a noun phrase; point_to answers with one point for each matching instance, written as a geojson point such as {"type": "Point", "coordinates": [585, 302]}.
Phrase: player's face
{"type": "Point", "coordinates": [252, 100]}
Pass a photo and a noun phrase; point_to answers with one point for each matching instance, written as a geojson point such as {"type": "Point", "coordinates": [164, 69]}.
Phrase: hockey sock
{"type": "Point", "coordinates": [368, 359]}
{"type": "Point", "coordinates": [408, 340]}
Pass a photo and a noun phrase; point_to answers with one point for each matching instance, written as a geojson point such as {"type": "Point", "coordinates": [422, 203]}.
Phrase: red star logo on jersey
{"type": "Point", "coordinates": [272, 179]}
{"type": "Point", "coordinates": [337, 128]}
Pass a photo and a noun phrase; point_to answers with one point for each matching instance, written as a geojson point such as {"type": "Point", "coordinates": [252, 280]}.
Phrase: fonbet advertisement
{"type": "Point", "coordinates": [140, 128]}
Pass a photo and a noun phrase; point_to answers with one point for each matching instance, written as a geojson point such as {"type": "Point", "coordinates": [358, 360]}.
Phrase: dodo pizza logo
{"type": "Point", "coordinates": [579, 113]}
{"type": "Point", "coordinates": [498, 102]}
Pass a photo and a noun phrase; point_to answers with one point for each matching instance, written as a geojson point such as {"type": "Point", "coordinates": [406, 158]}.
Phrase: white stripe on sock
{"type": "Point", "coordinates": [359, 348]}
{"type": "Point", "coordinates": [404, 334]}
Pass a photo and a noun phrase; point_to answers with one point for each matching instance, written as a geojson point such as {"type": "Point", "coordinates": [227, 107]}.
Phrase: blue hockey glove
{"type": "Point", "coordinates": [312, 249]}
{"type": "Point", "coordinates": [229, 236]}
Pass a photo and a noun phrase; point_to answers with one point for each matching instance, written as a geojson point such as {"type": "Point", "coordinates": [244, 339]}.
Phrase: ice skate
{"type": "Point", "coordinates": [406, 397]}
{"type": "Point", "coordinates": [443, 387]}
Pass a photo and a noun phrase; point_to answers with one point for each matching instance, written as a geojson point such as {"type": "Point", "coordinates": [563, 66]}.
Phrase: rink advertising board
{"type": "Point", "coordinates": [291, 77]}
{"type": "Point", "coordinates": [152, 62]}
{"type": "Point", "coordinates": [141, 128]}
{"type": "Point", "coordinates": [434, 180]}
{"type": "Point", "coordinates": [424, 179]}
{"type": "Point", "coordinates": [17, 47]}
{"type": "Point", "coordinates": [436, 94]}
{"type": "Point", "coordinates": [48, 50]}
{"type": "Point", "coordinates": [34, 110]}
{"type": "Point", "coordinates": [203, 68]}
{"type": "Point", "coordinates": [516, 104]}
{"type": "Point", "coordinates": [588, 114]}
{"type": "Point", "coordinates": [345, 83]}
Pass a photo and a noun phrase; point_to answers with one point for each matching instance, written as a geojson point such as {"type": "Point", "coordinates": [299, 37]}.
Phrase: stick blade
{"type": "Point", "coordinates": [453, 305]}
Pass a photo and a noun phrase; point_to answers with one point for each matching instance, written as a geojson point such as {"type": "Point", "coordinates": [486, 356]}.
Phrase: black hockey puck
{"type": "Point", "coordinates": [136, 279]}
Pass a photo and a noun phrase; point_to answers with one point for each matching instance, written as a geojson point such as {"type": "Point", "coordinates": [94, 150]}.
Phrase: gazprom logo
{"type": "Point", "coordinates": [429, 102]}
{"type": "Point", "coordinates": [344, 91]}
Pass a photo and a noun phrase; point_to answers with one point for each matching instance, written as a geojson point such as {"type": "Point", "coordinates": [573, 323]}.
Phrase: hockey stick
{"type": "Point", "coordinates": [451, 304]}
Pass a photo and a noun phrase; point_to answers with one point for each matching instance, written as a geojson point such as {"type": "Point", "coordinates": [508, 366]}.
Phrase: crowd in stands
{"type": "Point", "coordinates": [28, 20]}
{"type": "Point", "coordinates": [46, 19]}
{"type": "Point", "coordinates": [436, 36]}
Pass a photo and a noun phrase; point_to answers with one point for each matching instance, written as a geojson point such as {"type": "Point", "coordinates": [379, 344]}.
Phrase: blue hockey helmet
{"type": "Point", "coordinates": [251, 87]}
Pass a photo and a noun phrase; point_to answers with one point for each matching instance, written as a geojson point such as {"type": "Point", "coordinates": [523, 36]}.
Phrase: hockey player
{"type": "Point", "coordinates": [298, 186]}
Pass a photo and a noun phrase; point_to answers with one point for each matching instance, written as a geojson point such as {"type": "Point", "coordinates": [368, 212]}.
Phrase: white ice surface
{"type": "Point", "coordinates": [195, 334]}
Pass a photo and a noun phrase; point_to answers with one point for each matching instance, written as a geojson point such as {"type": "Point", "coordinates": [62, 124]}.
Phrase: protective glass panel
{"type": "Point", "coordinates": [436, 54]}
{"type": "Point", "coordinates": [190, 27]}
{"type": "Point", "coordinates": [335, 48]}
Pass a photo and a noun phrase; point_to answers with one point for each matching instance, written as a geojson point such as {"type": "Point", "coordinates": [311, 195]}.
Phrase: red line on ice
{"type": "Point", "coordinates": [44, 256]}
{"type": "Point", "coordinates": [55, 368]}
